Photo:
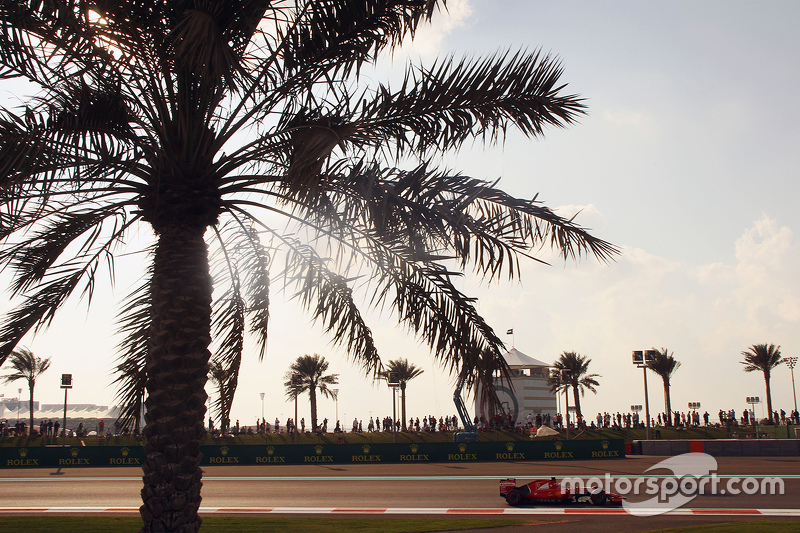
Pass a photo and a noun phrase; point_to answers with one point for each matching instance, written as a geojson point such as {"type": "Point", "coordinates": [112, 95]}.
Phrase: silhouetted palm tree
{"type": "Point", "coordinates": [26, 366]}
{"type": "Point", "coordinates": [220, 376]}
{"type": "Point", "coordinates": [179, 120]}
{"type": "Point", "coordinates": [307, 374]}
{"type": "Point", "coordinates": [664, 364]}
{"type": "Point", "coordinates": [403, 372]}
{"type": "Point", "coordinates": [131, 374]}
{"type": "Point", "coordinates": [579, 378]}
{"type": "Point", "coordinates": [763, 357]}
{"type": "Point", "coordinates": [489, 371]}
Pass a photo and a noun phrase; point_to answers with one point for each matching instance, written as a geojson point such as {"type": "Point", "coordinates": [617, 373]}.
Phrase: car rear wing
{"type": "Point", "coordinates": [506, 485]}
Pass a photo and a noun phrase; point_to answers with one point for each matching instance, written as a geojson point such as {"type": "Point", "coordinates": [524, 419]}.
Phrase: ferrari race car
{"type": "Point", "coordinates": [552, 491]}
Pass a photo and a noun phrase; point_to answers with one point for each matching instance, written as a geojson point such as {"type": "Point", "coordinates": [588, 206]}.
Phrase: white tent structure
{"type": "Point", "coordinates": [519, 361]}
{"type": "Point", "coordinates": [546, 431]}
{"type": "Point", "coordinates": [10, 409]}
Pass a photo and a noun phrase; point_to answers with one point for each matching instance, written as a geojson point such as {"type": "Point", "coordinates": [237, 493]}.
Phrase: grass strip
{"type": "Point", "coordinates": [737, 527]}
{"type": "Point", "coordinates": [251, 524]}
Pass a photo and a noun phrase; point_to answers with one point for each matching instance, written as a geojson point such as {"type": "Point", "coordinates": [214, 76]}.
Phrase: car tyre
{"type": "Point", "coordinates": [514, 497]}
{"type": "Point", "coordinates": [598, 498]}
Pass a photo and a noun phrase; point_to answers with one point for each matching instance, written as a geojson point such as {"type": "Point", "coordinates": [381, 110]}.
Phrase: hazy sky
{"type": "Point", "coordinates": [687, 161]}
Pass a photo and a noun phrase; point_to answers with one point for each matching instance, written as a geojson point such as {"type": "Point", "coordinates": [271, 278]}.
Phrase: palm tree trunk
{"type": "Point", "coordinates": [403, 402]}
{"type": "Point", "coordinates": [576, 395]}
{"type": "Point", "coordinates": [312, 392]}
{"type": "Point", "coordinates": [30, 405]}
{"type": "Point", "coordinates": [667, 403]}
{"type": "Point", "coordinates": [176, 366]}
{"type": "Point", "coordinates": [769, 399]}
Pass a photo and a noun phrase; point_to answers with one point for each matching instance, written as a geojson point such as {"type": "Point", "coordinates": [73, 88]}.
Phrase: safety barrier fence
{"type": "Point", "coordinates": [224, 454]}
{"type": "Point", "coordinates": [719, 447]}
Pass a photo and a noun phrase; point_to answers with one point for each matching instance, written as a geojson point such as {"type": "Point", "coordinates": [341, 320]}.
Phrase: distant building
{"type": "Point", "coordinates": [530, 394]}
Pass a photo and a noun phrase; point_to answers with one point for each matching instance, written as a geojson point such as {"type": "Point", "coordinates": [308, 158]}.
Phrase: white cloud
{"type": "Point", "coordinates": [429, 39]}
{"type": "Point", "coordinates": [705, 314]}
{"type": "Point", "coordinates": [627, 117]}
{"type": "Point", "coordinates": [587, 216]}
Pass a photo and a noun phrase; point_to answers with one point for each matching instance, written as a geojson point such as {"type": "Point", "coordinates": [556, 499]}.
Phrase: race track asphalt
{"type": "Point", "coordinates": [397, 491]}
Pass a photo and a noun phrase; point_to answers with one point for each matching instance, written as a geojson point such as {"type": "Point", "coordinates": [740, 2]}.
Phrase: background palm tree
{"type": "Point", "coordinates": [220, 377]}
{"type": "Point", "coordinates": [26, 366]}
{"type": "Point", "coordinates": [223, 120]}
{"type": "Point", "coordinates": [404, 372]}
{"type": "Point", "coordinates": [131, 376]}
{"type": "Point", "coordinates": [763, 357]}
{"type": "Point", "coordinates": [664, 364]}
{"type": "Point", "coordinates": [307, 374]}
{"type": "Point", "coordinates": [579, 379]}
{"type": "Point", "coordinates": [489, 371]}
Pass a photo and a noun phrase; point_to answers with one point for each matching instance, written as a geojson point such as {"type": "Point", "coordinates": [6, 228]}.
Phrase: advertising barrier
{"type": "Point", "coordinates": [233, 454]}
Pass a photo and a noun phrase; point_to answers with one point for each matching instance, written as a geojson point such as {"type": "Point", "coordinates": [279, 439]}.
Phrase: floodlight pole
{"type": "Point", "coordinates": [566, 398]}
{"type": "Point", "coordinates": [646, 403]}
{"type": "Point", "coordinates": [66, 384]}
{"type": "Point", "coordinates": [297, 382]}
{"type": "Point", "coordinates": [791, 362]}
{"type": "Point", "coordinates": [394, 413]}
{"type": "Point", "coordinates": [566, 376]}
{"type": "Point", "coordinates": [636, 409]}
{"type": "Point", "coordinates": [64, 425]}
{"type": "Point", "coordinates": [753, 400]}
{"type": "Point", "coordinates": [642, 359]}
{"type": "Point", "coordinates": [336, 401]}
{"type": "Point", "coordinates": [393, 379]}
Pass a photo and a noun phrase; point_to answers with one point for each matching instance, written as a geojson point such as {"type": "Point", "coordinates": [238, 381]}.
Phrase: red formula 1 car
{"type": "Point", "coordinates": [552, 491]}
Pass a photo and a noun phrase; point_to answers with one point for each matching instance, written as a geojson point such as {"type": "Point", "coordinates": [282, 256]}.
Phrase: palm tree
{"type": "Point", "coordinates": [403, 373]}
{"type": "Point", "coordinates": [131, 375]}
{"type": "Point", "coordinates": [220, 377]}
{"type": "Point", "coordinates": [307, 374]}
{"type": "Point", "coordinates": [763, 357]}
{"type": "Point", "coordinates": [213, 124]}
{"type": "Point", "coordinates": [26, 366]}
{"type": "Point", "coordinates": [664, 364]}
{"type": "Point", "coordinates": [578, 378]}
{"type": "Point", "coordinates": [489, 370]}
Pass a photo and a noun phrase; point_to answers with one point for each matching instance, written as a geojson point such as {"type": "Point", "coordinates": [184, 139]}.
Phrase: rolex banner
{"type": "Point", "coordinates": [234, 454]}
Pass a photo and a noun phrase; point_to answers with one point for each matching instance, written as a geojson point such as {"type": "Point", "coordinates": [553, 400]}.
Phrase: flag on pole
{"type": "Point", "coordinates": [510, 332]}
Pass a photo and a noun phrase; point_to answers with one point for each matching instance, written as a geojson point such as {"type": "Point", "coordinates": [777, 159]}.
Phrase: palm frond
{"type": "Point", "coordinates": [329, 299]}
{"type": "Point", "coordinates": [138, 119]}
{"type": "Point", "coordinates": [242, 255]}
{"type": "Point", "coordinates": [338, 36]}
{"type": "Point", "coordinates": [762, 357]}
{"type": "Point", "coordinates": [133, 320]}
{"type": "Point", "coordinates": [664, 364]}
{"type": "Point", "coordinates": [441, 107]}
{"type": "Point", "coordinates": [37, 310]}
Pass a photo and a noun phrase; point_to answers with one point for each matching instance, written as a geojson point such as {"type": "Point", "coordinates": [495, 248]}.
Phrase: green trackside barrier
{"type": "Point", "coordinates": [60, 457]}
{"type": "Point", "coordinates": [223, 454]}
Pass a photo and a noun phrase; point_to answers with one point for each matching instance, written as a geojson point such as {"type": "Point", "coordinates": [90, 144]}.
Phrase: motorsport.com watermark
{"type": "Point", "coordinates": [693, 474]}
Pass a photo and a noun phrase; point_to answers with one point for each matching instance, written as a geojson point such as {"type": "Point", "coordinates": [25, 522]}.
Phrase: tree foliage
{"type": "Point", "coordinates": [25, 365]}
{"type": "Point", "coordinates": [665, 365]}
{"type": "Point", "coordinates": [404, 372]}
{"type": "Point", "coordinates": [763, 358]}
{"type": "Point", "coordinates": [577, 376]}
{"type": "Point", "coordinates": [162, 119]}
{"type": "Point", "coordinates": [307, 374]}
